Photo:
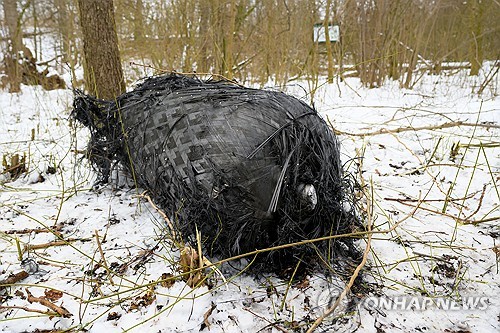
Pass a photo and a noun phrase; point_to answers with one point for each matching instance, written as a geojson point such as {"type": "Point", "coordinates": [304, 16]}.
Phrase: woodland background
{"type": "Point", "coordinates": [261, 40]}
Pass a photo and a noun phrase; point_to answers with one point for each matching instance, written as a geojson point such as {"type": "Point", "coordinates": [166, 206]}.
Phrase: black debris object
{"type": "Point", "coordinates": [250, 168]}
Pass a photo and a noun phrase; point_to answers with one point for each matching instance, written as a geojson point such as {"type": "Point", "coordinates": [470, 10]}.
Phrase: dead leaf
{"type": "Point", "coordinates": [53, 295]}
{"type": "Point", "coordinates": [303, 284]}
{"type": "Point", "coordinates": [20, 294]}
{"type": "Point", "coordinates": [189, 259]}
{"type": "Point", "coordinates": [60, 310]}
{"type": "Point", "coordinates": [189, 262]}
{"type": "Point", "coordinates": [167, 280]}
{"type": "Point", "coordinates": [142, 301]}
{"type": "Point", "coordinates": [113, 316]}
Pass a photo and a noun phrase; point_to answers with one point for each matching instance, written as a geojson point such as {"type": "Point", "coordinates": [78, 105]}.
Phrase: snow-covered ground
{"type": "Point", "coordinates": [430, 158]}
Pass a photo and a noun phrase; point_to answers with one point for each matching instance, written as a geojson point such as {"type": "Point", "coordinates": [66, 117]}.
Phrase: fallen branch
{"type": "Point", "coordinates": [458, 219]}
{"type": "Point", "coordinates": [48, 313]}
{"type": "Point", "coordinates": [413, 129]}
{"type": "Point", "coordinates": [12, 279]}
{"type": "Point", "coordinates": [54, 231]}
{"type": "Point", "coordinates": [401, 200]}
{"type": "Point", "coordinates": [59, 310]}
{"type": "Point", "coordinates": [29, 247]}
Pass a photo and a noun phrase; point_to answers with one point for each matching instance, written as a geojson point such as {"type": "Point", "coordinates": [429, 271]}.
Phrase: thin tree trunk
{"type": "Point", "coordinates": [102, 68]}
{"type": "Point", "coordinates": [64, 25]}
{"type": "Point", "coordinates": [229, 40]}
{"type": "Point", "coordinates": [204, 7]}
{"type": "Point", "coordinates": [139, 21]}
{"type": "Point", "coordinates": [476, 47]}
{"type": "Point", "coordinates": [12, 67]}
{"type": "Point", "coordinates": [217, 31]}
{"type": "Point", "coordinates": [326, 25]}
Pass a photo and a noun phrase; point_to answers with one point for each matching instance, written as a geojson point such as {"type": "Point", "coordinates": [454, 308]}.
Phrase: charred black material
{"type": "Point", "coordinates": [250, 168]}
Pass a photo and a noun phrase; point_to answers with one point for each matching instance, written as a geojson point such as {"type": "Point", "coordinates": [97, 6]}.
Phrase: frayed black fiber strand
{"type": "Point", "coordinates": [250, 168]}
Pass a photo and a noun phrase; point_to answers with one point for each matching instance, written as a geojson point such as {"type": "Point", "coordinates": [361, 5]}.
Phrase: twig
{"type": "Point", "coordinates": [61, 311]}
{"type": "Point", "coordinates": [48, 313]}
{"type": "Point", "coordinates": [48, 263]}
{"type": "Point", "coordinates": [431, 257]}
{"type": "Point", "coordinates": [183, 73]}
{"type": "Point", "coordinates": [459, 219]}
{"type": "Point", "coordinates": [54, 231]}
{"type": "Point", "coordinates": [29, 247]}
{"type": "Point", "coordinates": [470, 196]}
{"type": "Point", "coordinates": [105, 264]}
{"type": "Point", "coordinates": [207, 315]}
{"type": "Point", "coordinates": [271, 324]}
{"type": "Point", "coordinates": [479, 203]}
{"type": "Point", "coordinates": [165, 217]}
{"type": "Point", "coordinates": [411, 129]}
{"type": "Point", "coordinates": [488, 78]}
{"type": "Point", "coordinates": [46, 62]}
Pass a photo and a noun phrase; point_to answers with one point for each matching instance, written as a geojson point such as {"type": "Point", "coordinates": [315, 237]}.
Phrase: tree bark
{"type": "Point", "coordinates": [12, 66]}
{"type": "Point", "coordinates": [102, 67]}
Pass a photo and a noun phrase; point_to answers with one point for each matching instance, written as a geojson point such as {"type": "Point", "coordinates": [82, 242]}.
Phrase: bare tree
{"type": "Point", "coordinates": [12, 68]}
{"type": "Point", "coordinates": [102, 69]}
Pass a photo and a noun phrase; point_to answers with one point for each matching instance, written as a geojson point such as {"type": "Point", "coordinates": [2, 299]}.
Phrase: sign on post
{"type": "Point", "coordinates": [333, 33]}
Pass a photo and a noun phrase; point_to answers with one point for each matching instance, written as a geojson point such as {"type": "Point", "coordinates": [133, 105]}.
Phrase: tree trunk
{"type": "Point", "coordinates": [102, 68]}
{"type": "Point", "coordinates": [326, 26]}
{"type": "Point", "coordinates": [64, 26]}
{"type": "Point", "coordinates": [205, 9]}
{"type": "Point", "coordinates": [476, 43]}
{"type": "Point", "coordinates": [228, 42]}
{"type": "Point", "coordinates": [139, 21]}
{"type": "Point", "coordinates": [12, 67]}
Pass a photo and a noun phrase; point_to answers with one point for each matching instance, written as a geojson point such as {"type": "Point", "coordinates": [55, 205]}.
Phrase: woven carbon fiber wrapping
{"type": "Point", "coordinates": [229, 160]}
